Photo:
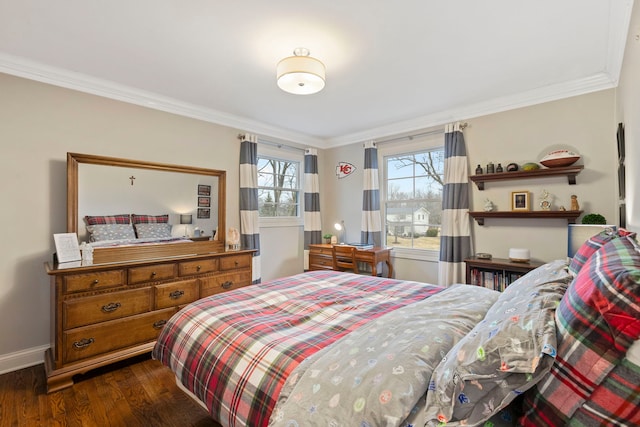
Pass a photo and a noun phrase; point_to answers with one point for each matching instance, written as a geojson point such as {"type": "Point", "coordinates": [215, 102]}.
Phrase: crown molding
{"type": "Point", "coordinates": [597, 82]}
{"type": "Point", "coordinates": [21, 67]}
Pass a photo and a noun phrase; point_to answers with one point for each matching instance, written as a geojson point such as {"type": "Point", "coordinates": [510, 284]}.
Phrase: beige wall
{"type": "Point", "coordinates": [583, 124]}
{"type": "Point", "coordinates": [628, 97]}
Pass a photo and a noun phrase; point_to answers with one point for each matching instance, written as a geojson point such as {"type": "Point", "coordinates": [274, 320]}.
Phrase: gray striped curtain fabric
{"type": "Point", "coordinates": [455, 236]}
{"type": "Point", "coordinates": [249, 226]}
{"type": "Point", "coordinates": [371, 220]}
{"type": "Point", "coordinates": [312, 221]}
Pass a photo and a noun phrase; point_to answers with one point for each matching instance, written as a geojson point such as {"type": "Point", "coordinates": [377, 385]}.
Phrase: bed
{"type": "Point", "coordinates": [558, 346]}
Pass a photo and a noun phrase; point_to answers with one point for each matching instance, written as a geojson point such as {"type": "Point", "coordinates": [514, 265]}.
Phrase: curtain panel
{"type": "Point", "coordinates": [371, 232]}
{"type": "Point", "coordinates": [312, 220]}
{"type": "Point", "coordinates": [249, 225]}
{"type": "Point", "coordinates": [455, 236]}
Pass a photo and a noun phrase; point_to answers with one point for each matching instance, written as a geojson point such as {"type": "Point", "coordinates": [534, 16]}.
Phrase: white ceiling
{"type": "Point", "coordinates": [392, 67]}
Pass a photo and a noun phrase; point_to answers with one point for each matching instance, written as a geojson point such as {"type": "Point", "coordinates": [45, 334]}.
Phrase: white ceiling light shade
{"type": "Point", "coordinates": [301, 74]}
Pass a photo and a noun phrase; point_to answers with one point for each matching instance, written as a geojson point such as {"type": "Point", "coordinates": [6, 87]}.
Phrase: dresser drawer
{"type": "Point", "coordinates": [223, 282]}
{"type": "Point", "coordinates": [93, 281]}
{"type": "Point", "coordinates": [176, 293]}
{"type": "Point", "coordinates": [89, 310]}
{"type": "Point", "coordinates": [198, 267]}
{"type": "Point", "coordinates": [152, 273]}
{"type": "Point", "coordinates": [88, 341]}
{"type": "Point", "coordinates": [235, 262]}
{"type": "Point", "coordinates": [320, 262]}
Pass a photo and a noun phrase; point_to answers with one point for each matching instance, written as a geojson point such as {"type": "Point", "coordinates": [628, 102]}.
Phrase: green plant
{"type": "Point", "coordinates": [593, 219]}
{"type": "Point", "coordinates": [327, 236]}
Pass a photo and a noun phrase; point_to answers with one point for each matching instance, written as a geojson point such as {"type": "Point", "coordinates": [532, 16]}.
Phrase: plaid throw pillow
{"type": "Point", "coordinates": [108, 219]}
{"type": "Point", "coordinates": [598, 320]}
{"type": "Point", "coordinates": [592, 245]}
{"type": "Point", "coordinates": [150, 219]}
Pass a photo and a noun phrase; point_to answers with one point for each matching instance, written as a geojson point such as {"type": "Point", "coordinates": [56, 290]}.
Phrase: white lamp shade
{"type": "Point", "coordinates": [301, 75]}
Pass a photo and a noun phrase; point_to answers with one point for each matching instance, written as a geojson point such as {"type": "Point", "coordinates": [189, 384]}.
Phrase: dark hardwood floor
{"type": "Point", "coordinates": [138, 392]}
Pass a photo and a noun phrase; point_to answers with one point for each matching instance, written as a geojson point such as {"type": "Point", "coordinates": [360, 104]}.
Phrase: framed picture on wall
{"type": "Point", "coordinates": [520, 201]}
{"type": "Point", "coordinates": [204, 213]}
{"type": "Point", "coordinates": [204, 202]}
{"type": "Point", "coordinates": [204, 190]}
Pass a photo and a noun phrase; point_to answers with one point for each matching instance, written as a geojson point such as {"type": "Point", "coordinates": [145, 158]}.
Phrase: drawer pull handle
{"type": "Point", "coordinates": [198, 268]}
{"type": "Point", "coordinates": [112, 306]}
{"type": "Point", "coordinates": [96, 281]}
{"type": "Point", "coordinates": [159, 324]}
{"type": "Point", "coordinates": [83, 343]}
{"type": "Point", "coordinates": [227, 285]}
{"type": "Point", "coordinates": [176, 294]}
{"type": "Point", "coordinates": [236, 263]}
{"type": "Point", "coordinates": [153, 273]}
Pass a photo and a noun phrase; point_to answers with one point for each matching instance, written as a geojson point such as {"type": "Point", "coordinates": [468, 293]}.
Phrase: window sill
{"type": "Point", "coordinates": [280, 222]}
{"type": "Point", "coordinates": [415, 254]}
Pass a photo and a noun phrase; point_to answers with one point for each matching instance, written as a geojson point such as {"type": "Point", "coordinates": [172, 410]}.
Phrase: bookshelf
{"type": "Point", "coordinates": [496, 273]}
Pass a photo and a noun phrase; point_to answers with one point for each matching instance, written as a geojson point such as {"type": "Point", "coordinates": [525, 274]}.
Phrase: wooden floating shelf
{"type": "Point", "coordinates": [570, 216]}
{"type": "Point", "coordinates": [570, 172]}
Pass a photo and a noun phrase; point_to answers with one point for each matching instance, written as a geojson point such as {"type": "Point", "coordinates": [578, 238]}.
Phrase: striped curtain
{"type": "Point", "coordinates": [371, 222]}
{"type": "Point", "coordinates": [455, 236]}
{"type": "Point", "coordinates": [312, 222]}
{"type": "Point", "coordinates": [249, 227]}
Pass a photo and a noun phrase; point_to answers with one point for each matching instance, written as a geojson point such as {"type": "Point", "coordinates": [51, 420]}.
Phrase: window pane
{"type": "Point", "coordinates": [278, 188]}
{"type": "Point", "coordinates": [413, 205]}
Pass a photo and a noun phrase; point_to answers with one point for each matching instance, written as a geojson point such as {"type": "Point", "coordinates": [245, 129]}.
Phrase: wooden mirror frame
{"type": "Point", "coordinates": [134, 253]}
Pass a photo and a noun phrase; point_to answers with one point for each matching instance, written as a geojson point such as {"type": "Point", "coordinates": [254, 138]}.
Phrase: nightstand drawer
{"type": "Point", "coordinates": [88, 341]}
{"type": "Point", "coordinates": [89, 310]}
{"type": "Point", "coordinates": [223, 283]}
{"type": "Point", "coordinates": [198, 267]}
{"type": "Point", "coordinates": [176, 293]}
{"type": "Point", "coordinates": [93, 281]}
{"type": "Point", "coordinates": [152, 273]}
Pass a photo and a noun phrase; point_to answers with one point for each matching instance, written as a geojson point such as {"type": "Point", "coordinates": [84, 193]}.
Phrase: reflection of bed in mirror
{"type": "Point", "coordinates": [106, 187]}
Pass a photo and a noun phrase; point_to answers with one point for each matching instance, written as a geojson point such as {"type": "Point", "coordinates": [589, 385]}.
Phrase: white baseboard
{"type": "Point", "coordinates": [22, 359]}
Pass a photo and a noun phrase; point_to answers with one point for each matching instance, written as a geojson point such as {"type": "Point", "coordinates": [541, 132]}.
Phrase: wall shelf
{"type": "Point", "coordinates": [570, 216]}
{"type": "Point", "coordinates": [570, 172]}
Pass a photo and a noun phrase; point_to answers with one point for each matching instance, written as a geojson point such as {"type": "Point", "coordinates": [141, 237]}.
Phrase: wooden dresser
{"type": "Point", "coordinates": [104, 313]}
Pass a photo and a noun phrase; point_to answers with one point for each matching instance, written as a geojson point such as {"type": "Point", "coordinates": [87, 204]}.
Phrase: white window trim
{"type": "Point", "coordinates": [433, 140]}
{"type": "Point", "coordinates": [265, 150]}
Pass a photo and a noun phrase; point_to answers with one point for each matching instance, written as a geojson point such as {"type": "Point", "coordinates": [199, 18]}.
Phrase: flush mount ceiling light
{"type": "Point", "coordinates": [300, 74]}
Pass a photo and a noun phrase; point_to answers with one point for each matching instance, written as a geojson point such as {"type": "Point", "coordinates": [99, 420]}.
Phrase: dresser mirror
{"type": "Point", "coordinates": [193, 197]}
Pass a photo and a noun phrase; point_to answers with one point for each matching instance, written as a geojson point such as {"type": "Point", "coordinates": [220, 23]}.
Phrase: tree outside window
{"type": "Point", "coordinates": [413, 199]}
{"type": "Point", "coordinates": [278, 187]}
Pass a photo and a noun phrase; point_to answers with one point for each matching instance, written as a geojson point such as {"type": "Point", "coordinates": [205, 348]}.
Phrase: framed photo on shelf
{"type": "Point", "coordinates": [204, 213]}
{"type": "Point", "coordinates": [520, 201]}
{"type": "Point", "coordinates": [204, 190]}
{"type": "Point", "coordinates": [204, 202]}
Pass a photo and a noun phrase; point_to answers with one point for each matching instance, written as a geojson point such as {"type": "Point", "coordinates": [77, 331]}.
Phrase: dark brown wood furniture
{"type": "Point", "coordinates": [501, 271]}
{"type": "Point", "coordinates": [104, 313]}
{"type": "Point", "coordinates": [321, 258]}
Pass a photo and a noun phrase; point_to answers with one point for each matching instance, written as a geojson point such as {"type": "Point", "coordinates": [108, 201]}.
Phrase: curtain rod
{"type": "Point", "coordinates": [417, 135]}
{"type": "Point", "coordinates": [275, 144]}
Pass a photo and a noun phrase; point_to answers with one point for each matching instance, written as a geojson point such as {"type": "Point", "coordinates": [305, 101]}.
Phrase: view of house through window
{"type": "Point", "coordinates": [278, 187]}
{"type": "Point", "coordinates": [413, 199]}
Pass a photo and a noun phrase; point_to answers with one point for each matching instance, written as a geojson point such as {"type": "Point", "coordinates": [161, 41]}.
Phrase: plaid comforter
{"type": "Point", "coordinates": [235, 350]}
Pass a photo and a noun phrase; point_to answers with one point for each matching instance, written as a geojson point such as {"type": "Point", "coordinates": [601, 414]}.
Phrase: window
{"type": "Point", "coordinates": [278, 187]}
{"type": "Point", "coordinates": [412, 195]}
